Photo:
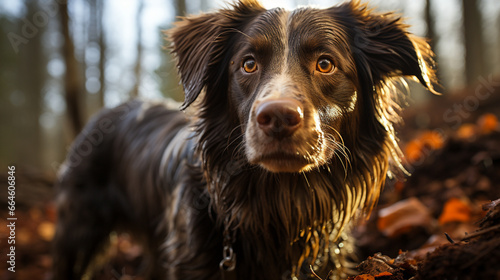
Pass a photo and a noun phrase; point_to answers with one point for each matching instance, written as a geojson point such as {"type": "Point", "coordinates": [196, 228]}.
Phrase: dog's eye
{"type": "Point", "coordinates": [249, 65]}
{"type": "Point", "coordinates": [324, 65]}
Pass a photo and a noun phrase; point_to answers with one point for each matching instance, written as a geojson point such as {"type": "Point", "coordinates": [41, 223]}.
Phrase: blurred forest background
{"type": "Point", "coordinates": [61, 62]}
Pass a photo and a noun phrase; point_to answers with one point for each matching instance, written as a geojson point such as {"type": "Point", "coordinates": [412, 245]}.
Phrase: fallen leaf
{"type": "Point", "coordinates": [402, 216]}
{"type": "Point", "coordinates": [455, 210]}
{"type": "Point", "coordinates": [466, 131]}
{"type": "Point", "coordinates": [422, 145]}
{"type": "Point", "coordinates": [382, 274]}
{"type": "Point", "coordinates": [413, 151]}
{"type": "Point", "coordinates": [46, 230]}
{"type": "Point", "coordinates": [487, 123]}
{"type": "Point", "coordinates": [432, 139]}
{"type": "Point", "coordinates": [364, 277]}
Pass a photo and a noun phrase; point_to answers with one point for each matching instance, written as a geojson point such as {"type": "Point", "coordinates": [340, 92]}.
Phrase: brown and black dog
{"type": "Point", "coordinates": [292, 137]}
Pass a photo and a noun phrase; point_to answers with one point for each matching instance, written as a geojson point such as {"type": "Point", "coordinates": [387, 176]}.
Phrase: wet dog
{"type": "Point", "coordinates": [292, 138]}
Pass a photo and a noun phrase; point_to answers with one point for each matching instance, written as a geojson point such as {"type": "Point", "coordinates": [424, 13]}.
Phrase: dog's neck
{"type": "Point", "coordinates": [283, 218]}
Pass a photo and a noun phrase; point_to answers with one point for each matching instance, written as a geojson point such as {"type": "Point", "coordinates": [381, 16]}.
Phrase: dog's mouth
{"type": "Point", "coordinates": [286, 157]}
{"type": "Point", "coordinates": [285, 162]}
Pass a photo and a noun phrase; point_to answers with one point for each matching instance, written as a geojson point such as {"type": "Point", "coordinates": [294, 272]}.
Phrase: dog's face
{"type": "Point", "coordinates": [300, 86]}
{"type": "Point", "coordinates": [292, 78]}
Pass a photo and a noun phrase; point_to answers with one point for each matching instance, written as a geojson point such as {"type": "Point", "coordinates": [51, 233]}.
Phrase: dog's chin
{"type": "Point", "coordinates": [284, 163]}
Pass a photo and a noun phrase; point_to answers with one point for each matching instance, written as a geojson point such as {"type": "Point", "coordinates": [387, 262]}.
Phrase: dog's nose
{"type": "Point", "coordinates": [279, 118]}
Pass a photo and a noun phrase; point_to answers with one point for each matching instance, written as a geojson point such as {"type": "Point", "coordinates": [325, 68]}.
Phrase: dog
{"type": "Point", "coordinates": [292, 137]}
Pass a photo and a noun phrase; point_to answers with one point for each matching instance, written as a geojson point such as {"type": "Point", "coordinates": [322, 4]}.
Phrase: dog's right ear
{"type": "Point", "coordinates": [193, 39]}
{"type": "Point", "coordinates": [200, 44]}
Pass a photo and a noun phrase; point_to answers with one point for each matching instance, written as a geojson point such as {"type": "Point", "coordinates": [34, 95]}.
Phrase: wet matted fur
{"type": "Point", "coordinates": [292, 138]}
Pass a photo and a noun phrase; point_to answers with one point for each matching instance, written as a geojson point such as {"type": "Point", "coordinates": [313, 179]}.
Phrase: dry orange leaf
{"type": "Point", "coordinates": [402, 216]}
{"type": "Point", "coordinates": [487, 123]}
{"type": "Point", "coordinates": [382, 274]}
{"type": "Point", "coordinates": [46, 230]}
{"type": "Point", "coordinates": [413, 151]}
{"type": "Point", "coordinates": [427, 141]}
{"type": "Point", "coordinates": [466, 131]}
{"type": "Point", "coordinates": [455, 210]}
{"type": "Point", "coordinates": [432, 139]}
{"type": "Point", "coordinates": [364, 277]}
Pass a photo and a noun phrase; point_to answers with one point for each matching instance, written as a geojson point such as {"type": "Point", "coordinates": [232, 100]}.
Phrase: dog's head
{"type": "Point", "coordinates": [303, 87]}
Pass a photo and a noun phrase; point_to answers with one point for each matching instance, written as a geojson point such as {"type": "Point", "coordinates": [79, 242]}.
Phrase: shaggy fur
{"type": "Point", "coordinates": [279, 200]}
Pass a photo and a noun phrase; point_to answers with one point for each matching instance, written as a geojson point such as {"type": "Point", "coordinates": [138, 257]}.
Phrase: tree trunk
{"type": "Point", "coordinates": [496, 69]}
{"type": "Point", "coordinates": [31, 81]}
{"type": "Point", "coordinates": [180, 7]}
{"type": "Point", "coordinates": [429, 21]}
{"type": "Point", "coordinates": [72, 84]}
{"type": "Point", "coordinates": [138, 61]}
{"type": "Point", "coordinates": [431, 35]}
{"type": "Point", "coordinates": [102, 52]}
{"type": "Point", "coordinates": [473, 41]}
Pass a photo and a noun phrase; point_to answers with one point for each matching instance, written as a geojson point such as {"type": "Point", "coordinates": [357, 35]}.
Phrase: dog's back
{"type": "Point", "coordinates": [102, 184]}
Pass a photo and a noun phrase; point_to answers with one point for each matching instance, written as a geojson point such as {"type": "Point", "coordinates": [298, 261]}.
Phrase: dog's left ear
{"type": "Point", "coordinates": [383, 48]}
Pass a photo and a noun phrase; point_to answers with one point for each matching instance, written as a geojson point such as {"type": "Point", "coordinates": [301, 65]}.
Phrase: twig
{"type": "Point", "coordinates": [449, 238]}
{"type": "Point", "coordinates": [481, 232]}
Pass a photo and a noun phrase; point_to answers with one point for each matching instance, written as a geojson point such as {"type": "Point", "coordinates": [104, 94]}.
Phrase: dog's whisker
{"type": "Point", "coordinates": [336, 132]}
{"type": "Point", "coordinates": [342, 147]}
{"type": "Point", "coordinates": [343, 165]}
{"type": "Point", "coordinates": [343, 150]}
{"type": "Point", "coordinates": [339, 147]}
{"type": "Point", "coordinates": [239, 145]}
{"type": "Point", "coordinates": [231, 133]}
{"type": "Point", "coordinates": [305, 178]}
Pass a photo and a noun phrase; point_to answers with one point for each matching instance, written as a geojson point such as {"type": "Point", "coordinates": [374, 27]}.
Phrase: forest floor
{"type": "Point", "coordinates": [443, 222]}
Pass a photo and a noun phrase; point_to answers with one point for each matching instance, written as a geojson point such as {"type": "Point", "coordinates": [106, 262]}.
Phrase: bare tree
{"type": "Point", "coordinates": [429, 20]}
{"type": "Point", "coordinates": [180, 7]}
{"type": "Point", "coordinates": [497, 46]}
{"type": "Point", "coordinates": [102, 52]}
{"type": "Point", "coordinates": [139, 48]}
{"type": "Point", "coordinates": [431, 34]}
{"type": "Point", "coordinates": [474, 43]}
{"type": "Point", "coordinates": [72, 83]}
{"type": "Point", "coordinates": [31, 81]}
{"type": "Point", "coordinates": [96, 37]}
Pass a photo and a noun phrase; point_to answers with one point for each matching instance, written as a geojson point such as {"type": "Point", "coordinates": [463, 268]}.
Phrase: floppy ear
{"type": "Point", "coordinates": [192, 43]}
{"type": "Point", "coordinates": [201, 46]}
{"type": "Point", "coordinates": [383, 48]}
